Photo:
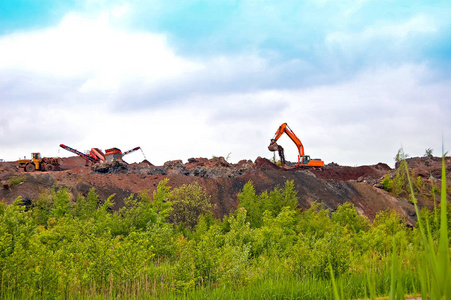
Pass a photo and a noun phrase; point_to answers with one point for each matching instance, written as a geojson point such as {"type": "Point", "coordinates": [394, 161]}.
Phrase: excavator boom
{"type": "Point", "coordinates": [284, 128]}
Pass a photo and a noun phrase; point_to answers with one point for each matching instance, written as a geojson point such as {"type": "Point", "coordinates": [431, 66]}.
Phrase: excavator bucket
{"type": "Point", "coordinates": [273, 146]}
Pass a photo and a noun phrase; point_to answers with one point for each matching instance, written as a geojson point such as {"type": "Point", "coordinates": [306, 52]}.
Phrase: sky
{"type": "Point", "coordinates": [355, 80]}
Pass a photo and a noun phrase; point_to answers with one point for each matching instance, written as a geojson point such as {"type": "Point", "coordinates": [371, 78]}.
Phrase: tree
{"type": "Point", "coordinates": [253, 204]}
{"type": "Point", "coordinates": [160, 199]}
{"type": "Point", "coordinates": [188, 202]}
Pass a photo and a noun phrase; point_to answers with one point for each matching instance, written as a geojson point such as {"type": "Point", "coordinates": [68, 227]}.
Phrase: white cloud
{"type": "Point", "coordinates": [226, 104]}
{"type": "Point", "coordinates": [91, 49]}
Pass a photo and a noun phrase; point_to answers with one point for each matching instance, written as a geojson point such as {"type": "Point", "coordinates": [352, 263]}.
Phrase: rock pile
{"type": "Point", "coordinates": [217, 167]}
{"type": "Point", "coordinates": [114, 167]}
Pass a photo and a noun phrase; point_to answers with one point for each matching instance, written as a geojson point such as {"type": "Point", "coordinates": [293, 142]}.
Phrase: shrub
{"type": "Point", "coordinates": [397, 185]}
{"type": "Point", "coordinates": [249, 199]}
{"type": "Point", "coordinates": [399, 181]}
{"type": "Point", "coordinates": [85, 207]}
{"type": "Point", "coordinates": [137, 214]}
{"type": "Point", "coordinates": [387, 182]}
{"type": "Point", "coordinates": [61, 203]}
{"type": "Point", "coordinates": [161, 201]}
{"type": "Point", "coordinates": [188, 202]}
{"type": "Point", "coordinates": [273, 202]}
{"type": "Point", "coordinates": [347, 216]}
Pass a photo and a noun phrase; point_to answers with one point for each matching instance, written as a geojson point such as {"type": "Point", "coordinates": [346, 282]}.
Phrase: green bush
{"type": "Point", "coordinates": [387, 182]}
{"type": "Point", "coordinates": [398, 184]}
{"type": "Point", "coordinates": [347, 216]}
{"type": "Point", "coordinates": [273, 202]}
{"type": "Point", "coordinates": [188, 203]}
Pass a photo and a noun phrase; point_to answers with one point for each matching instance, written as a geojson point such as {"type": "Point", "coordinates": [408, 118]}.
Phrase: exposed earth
{"type": "Point", "coordinates": [331, 185]}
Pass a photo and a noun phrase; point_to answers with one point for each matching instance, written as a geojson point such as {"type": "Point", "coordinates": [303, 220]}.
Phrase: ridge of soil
{"type": "Point", "coordinates": [331, 185]}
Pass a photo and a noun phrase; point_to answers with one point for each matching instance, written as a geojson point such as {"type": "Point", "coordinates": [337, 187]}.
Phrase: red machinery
{"type": "Point", "coordinates": [115, 153]}
{"type": "Point", "coordinates": [131, 150]}
{"type": "Point", "coordinates": [95, 155]}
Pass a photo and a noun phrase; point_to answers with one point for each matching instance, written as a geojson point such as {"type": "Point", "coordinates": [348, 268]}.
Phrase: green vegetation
{"type": "Point", "coordinates": [428, 152]}
{"type": "Point", "coordinates": [434, 268]}
{"type": "Point", "coordinates": [168, 245]}
{"type": "Point", "coordinates": [399, 183]}
{"type": "Point", "coordinates": [16, 180]}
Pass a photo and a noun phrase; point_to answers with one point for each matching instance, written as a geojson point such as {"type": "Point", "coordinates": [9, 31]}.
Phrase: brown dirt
{"type": "Point", "coordinates": [331, 185]}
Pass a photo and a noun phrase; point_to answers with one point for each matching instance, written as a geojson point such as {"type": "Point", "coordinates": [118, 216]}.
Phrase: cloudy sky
{"type": "Point", "coordinates": [355, 80]}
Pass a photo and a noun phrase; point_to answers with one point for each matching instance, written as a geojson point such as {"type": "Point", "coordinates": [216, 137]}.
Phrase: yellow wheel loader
{"type": "Point", "coordinates": [39, 163]}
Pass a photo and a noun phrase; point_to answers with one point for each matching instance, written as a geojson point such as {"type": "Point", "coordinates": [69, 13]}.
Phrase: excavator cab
{"type": "Point", "coordinates": [305, 160]}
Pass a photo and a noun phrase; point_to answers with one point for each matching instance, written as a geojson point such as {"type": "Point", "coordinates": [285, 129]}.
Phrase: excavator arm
{"type": "Point", "coordinates": [284, 128]}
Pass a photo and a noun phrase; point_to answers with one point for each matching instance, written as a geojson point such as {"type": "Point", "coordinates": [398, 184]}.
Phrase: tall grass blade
{"type": "Point", "coordinates": [443, 250]}
{"type": "Point", "coordinates": [334, 284]}
{"type": "Point", "coordinates": [435, 271]}
{"type": "Point", "coordinates": [371, 286]}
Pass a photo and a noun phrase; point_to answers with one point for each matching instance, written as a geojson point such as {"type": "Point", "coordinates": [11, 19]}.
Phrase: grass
{"type": "Point", "coordinates": [434, 267]}
{"type": "Point", "coordinates": [16, 180]}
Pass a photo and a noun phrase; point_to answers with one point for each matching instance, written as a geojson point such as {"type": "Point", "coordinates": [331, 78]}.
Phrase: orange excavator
{"type": "Point", "coordinates": [303, 160]}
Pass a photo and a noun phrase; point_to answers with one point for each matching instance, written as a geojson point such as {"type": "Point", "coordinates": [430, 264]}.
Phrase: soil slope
{"type": "Point", "coordinates": [331, 185]}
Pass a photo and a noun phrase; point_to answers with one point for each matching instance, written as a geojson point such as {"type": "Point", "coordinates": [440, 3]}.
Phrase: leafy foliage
{"type": "Point", "coordinates": [169, 244]}
{"type": "Point", "coordinates": [188, 203]}
{"type": "Point", "coordinates": [398, 184]}
{"type": "Point", "coordinates": [273, 202]}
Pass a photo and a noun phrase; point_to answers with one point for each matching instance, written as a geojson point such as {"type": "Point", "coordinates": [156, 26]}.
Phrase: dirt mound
{"type": "Point", "coordinates": [8, 167]}
{"type": "Point", "coordinates": [67, 163]}
{"type": "Point", "coordinates": [265, 164]}
{"type": "Point", "coordinates": [331, 185]}
{"type": "Point", "coordinates": [428, 167]}
{"type": "Point", "coordinates": [344, 173]}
